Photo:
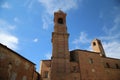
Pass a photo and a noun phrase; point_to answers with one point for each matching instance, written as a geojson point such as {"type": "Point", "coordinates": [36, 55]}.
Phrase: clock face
{"type": "Point", "coordinates": [60, 21]}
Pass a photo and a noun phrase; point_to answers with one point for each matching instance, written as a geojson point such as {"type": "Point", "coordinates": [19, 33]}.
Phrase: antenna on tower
{"type": "Point", "coordinates": [60, 8]}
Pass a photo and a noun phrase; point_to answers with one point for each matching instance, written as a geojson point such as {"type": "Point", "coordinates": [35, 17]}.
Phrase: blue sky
{"type": "Point", "coordinates": [26, 26]}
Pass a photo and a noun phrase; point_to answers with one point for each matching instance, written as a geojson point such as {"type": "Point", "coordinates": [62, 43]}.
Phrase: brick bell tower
{"type": "Point", "coordinates": [60, 65]}
{"type": "Point", "coordinates": [97, 47]}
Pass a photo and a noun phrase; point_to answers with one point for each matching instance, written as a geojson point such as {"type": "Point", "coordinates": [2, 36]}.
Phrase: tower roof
{"type": "Point", "coordinates": [60, 11]}
{"type": "Point", "coordinates": [96, 39]}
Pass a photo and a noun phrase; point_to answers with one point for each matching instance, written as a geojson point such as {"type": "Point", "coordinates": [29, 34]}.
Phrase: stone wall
{"type": "Point", "coordinates": [15, 67]}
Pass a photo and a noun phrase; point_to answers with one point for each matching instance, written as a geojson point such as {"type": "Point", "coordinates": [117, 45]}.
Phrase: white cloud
{"type": "Point", "coordinates": [112, 33]}
{"type": "Point", "coordinates": [9, 40]}
{"type": "Point", "coordinates": [48, 56]}
{"type": "Point", "coordinates": [6, 37]}
{"type": "Point", "coordinates": [112, 49]}
{"type": "Point", "coordinates": [46, 21]}
{"type": "Point", "coordinates": [4, 26]}
{"type": "Point", "coordinates": [16, 19]}
{"type": "Point", "coordinates": [53, 5]}
{"type": "Point", "coordinates": [29, 3]}
{"type": "Point", "coordinates": [35, 40]}
{"type": "Point", "coordinates": [81, 39]}
{"type": "Point", "coordinates": [111, 41]}
{"type": "Point", "coordinates": [6, 5]}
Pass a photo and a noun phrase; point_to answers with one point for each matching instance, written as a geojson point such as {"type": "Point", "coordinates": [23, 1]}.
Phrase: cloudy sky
{"type": "Point", "coordinates": [26, 25]}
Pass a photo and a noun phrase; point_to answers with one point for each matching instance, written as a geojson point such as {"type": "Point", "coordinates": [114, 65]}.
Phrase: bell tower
{"type": "Point", "coordinates": [60, 36]}
{"type": "Point", "coordinates": [60, 64]}
{"type": "Point", "coordinates": [97, 47]}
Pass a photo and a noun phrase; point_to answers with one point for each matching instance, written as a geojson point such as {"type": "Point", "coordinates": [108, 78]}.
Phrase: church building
{"type": "Point", "coordinates": [76, 64]}
{"type": "Point", "coordinates": [64, 64]}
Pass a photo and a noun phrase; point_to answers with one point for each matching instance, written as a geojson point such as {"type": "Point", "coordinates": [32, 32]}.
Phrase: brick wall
{"type": "Point", "coordinates": [14, 67]}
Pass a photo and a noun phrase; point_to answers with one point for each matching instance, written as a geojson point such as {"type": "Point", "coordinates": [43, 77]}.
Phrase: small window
{"type": "Point", "coordinates": [107, 64]}
{"type": "Point", "coordinates": [73, 57]}
{"type": "Point", "coordinates": [60, 21]}
{"type": "Point", "coordinates": [91, 61]}
{"type": "Point", "coordinates": [117, 66]}
{"type": "Point", "coordinates": [94, 44]}
{"type": "Point", "coordinates": [46, 74]}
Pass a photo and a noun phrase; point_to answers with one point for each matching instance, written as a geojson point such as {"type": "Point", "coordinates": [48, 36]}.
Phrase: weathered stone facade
{"type": "Point", "coordinates": [15, 67]}
{"type": "Point", "coordinates": [76, 64]}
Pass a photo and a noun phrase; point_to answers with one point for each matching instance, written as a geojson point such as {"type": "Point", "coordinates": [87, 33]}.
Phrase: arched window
{"type": "Point", "coordinates": [90, 60]}
{"type": "Point", "coordinates": [117, 66]}
{"type": "Point", "coordinates": [94, 44]}
{"type": "Point", "coordinates": [60, 20]}
{"type": "Point", "coordinates": [46, 74]}
{"type": "Point", "coordinates": [107, 65]}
